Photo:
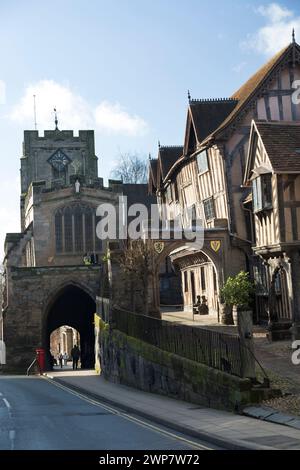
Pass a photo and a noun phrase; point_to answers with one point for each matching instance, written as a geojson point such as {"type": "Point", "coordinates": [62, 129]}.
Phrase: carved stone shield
{"type": "Point", "coordinates": [158, 247]}
{"type": "Point", "coordinates": [215, 245]}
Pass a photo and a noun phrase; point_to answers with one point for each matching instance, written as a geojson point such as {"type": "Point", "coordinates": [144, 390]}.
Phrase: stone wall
{"type": "Point", "coordinates": [30, 293]}
{"type": "Point", "coordinates": [133, 362]}
{"type": "Point", "coordinates": [37, 150]}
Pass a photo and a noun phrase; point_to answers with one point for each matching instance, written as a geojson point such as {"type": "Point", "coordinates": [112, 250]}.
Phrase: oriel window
{"type": "Point", "coordinates": [262, 192]}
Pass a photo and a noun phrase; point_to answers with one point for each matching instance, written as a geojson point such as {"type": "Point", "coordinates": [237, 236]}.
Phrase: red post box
{"type": "Point", "coordinates": [40, 357]}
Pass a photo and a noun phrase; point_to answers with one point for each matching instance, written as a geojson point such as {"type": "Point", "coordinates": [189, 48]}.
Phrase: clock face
{"type": "Point", "coordinates": [59, 160]}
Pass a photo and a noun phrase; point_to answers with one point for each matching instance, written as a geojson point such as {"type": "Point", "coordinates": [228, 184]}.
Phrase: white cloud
{"type": "Point", "coordinates": [113, 118]}
{"type": "Point", "coordinates": [74, 112]}
{"type": "Point", "coordinates": [277, 33]}
{"type": "Point", "coordinates": [274, 12]}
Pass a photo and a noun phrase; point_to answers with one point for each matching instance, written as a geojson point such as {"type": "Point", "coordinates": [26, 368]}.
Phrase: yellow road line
{"type": "Point", "coordinates": [127, 416]}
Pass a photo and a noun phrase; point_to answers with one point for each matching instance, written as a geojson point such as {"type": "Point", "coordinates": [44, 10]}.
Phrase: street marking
{"type": "Point", "coordinates": [7, 404]}
{"type": "Point", "coordinates": [128, 417]}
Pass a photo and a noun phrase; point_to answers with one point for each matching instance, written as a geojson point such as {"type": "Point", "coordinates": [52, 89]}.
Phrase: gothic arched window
{"type": "Point", "coordinates": [58, 232]}
{"type": "Point", "coordinates": [75, 230]}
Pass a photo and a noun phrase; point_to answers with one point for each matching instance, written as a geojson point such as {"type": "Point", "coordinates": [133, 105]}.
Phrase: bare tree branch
{"type": "Point", "coordinates": [131, 168]}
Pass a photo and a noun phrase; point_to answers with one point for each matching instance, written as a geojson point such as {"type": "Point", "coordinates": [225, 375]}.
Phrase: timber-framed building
{"type": "Point", "coordinates": [208, 177]}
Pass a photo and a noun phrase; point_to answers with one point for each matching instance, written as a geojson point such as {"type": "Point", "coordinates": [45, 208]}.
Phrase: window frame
{"type": "Point", "coordinates": [208, 219]}
{"type": "Point", "coordinates": [201, 171]}
{"type": "Point", "coordinates": [169, 195]}
{"type": "Point", "coordinates": [86, 240]}
{"type": "Point", "coordinates": [262, 193]}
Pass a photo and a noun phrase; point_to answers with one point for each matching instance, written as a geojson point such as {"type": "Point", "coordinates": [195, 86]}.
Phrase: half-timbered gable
{"type": "Point", "coordinates": [273, 173]}
{"type": "Point", "coordinates": [266, 95]}
{"type": "Point", "coordinates": [210, 173]}
{"type": "Point", "coordinates": [167, 190]}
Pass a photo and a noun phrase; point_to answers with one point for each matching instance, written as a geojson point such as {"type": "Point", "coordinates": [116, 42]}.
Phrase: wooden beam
{"type": "Point", "coordinates": [293, 105]}
{"type": "Point", "coordinates": [292, 204]}
{"type": "Point", "coordinates": [267, 106]}
{"type": "Point", "coordinates": [281, 208]}
{"type": "Point", "coordinates": [280, 104]}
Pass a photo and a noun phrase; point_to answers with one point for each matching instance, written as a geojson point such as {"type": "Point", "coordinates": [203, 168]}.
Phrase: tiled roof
{"type": "Point", "coordinates": [168, 156]}
{"type": "Point", "coordinates": [207, 115]}
{"type": "Point", "coordinates": [138, 194]}
{"type": "Point", "coordinates": [152, 180]}
{"type": "Point", "coordinates": [282, 143]}
{"type": "Point", "coordinates": [248, 90]}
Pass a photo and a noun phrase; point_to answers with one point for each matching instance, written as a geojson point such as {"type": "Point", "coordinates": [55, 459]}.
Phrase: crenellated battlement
{"type": "Point", "coordinates": [56, 135]}
{"type": "Point", "coordinates": [213, 100]}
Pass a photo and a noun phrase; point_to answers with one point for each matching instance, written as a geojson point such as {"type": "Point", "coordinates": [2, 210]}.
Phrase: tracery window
{"type": "Point", "coordinates": [75, 230]}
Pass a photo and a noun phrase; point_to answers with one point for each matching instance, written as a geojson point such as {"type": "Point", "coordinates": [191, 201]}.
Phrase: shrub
{"type": "Point", "coordinates": [237, 290]}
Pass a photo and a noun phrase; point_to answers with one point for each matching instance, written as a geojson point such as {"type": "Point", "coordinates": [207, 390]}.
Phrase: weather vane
{"type": "Point", "coordinates": [56, 120]}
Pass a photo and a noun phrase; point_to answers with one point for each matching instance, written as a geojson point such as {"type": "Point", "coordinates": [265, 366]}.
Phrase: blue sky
{"type": "Point", "coordinates": [123, 68]}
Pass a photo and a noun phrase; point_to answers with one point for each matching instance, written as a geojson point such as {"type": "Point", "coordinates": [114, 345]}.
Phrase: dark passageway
{"type": "Point", "coordinates": [74, 307]}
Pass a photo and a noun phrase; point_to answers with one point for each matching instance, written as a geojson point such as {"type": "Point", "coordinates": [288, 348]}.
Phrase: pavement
{"type": "Point", "coordinates": [221, 428]}
{"type": "Point", "coordinates": [271, 415]}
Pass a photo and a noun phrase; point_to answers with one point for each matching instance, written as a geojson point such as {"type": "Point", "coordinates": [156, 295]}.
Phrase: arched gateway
{"type": "Point", "coordinates": [53, 266]}
{"type": "Point", "coordinates": [74, 306]}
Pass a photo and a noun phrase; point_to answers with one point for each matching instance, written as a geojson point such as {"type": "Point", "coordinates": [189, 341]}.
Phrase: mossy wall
{"type": "Point", "coordinates": [133, 362]}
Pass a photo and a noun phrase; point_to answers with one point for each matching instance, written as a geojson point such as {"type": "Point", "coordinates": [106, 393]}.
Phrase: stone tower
{"type": "Point", "coordinates": [47, 284]}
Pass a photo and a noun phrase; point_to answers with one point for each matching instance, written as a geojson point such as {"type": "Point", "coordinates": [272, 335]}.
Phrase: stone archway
{"type": "Point", "coordinates": [72, 305]}
{"type": "Point", "coordinates": [164, 248]}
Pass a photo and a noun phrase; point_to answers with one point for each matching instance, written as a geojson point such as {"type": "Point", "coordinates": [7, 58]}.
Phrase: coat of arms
{"type": "Point", "coordinates": [215, 245]}
{"type": "Point", "coordinates": [158, 247]}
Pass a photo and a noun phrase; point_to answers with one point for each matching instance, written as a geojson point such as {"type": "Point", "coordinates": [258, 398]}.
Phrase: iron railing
{"type": "Point", "coordinates": [219, 350]}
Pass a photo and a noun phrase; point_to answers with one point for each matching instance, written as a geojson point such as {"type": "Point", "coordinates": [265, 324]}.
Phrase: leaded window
{"type": "Point", "coordinates": [78, 227]}
{"type": "Point", "coordinates": [262, 192]}
{"type": "Point", "coordinates": [209, 208]}
{"type": "Point", "coordinates": [202, 161]}
{"type": "Point", "coordinates": [89, 235]}
{"type": "Point", "coordinates": [58, 232]}
{"type": "Point", "coordinates": [68, 230]}
{"type": "Point", "coordinates": [75, 230]}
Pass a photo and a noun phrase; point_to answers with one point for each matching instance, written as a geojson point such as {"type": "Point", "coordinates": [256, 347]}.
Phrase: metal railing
{"type": "Point", "coordinates": [34, 362]}
{"type": "Point", "coordinates": [218, 350]}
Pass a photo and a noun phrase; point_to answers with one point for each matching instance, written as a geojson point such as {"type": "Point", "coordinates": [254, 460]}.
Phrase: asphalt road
{"type": "Point", "coordinates": [36, 414]}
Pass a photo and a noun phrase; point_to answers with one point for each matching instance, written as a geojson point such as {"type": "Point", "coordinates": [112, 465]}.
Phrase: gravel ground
{"type": "Point", "coordinates": [289, 403]}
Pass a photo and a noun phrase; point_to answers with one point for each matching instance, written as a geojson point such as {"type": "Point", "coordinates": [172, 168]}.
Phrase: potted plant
{"type": "Point", "coordinates": [237, 292]}
{"type": "Point", "coordinates": [225, 310]}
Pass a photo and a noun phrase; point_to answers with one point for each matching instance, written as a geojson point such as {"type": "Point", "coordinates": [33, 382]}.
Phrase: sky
{"type": "Point", "coordinates": [123, 68]}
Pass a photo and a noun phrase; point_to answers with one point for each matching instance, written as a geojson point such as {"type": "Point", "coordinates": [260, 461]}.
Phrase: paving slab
{"type": "Point", "coordinates": [225, 429]}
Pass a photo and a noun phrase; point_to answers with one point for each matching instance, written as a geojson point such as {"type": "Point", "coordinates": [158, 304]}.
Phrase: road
{"type": "Point", "coordinates": [36, 414]}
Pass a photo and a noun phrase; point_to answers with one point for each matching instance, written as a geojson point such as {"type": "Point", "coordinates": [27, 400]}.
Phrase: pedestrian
{"type": "Point", "coordinates": [75, 353]}
{"type": "Point", "coordinates": [65, 358]}
{"type": "Point", "coordinates": [60, 360]}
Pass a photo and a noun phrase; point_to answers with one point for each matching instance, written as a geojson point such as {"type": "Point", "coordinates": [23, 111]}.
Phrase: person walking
{"type": "Point", "coordinates": [75, 353]}
{"type": "Point", "coordinates": [65, 358]}
{"type": "Point", "coordinates": [60, 359]}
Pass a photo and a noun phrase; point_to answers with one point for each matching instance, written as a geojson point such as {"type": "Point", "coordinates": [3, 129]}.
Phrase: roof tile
{"type": "Point", "coordinates": [282, 144]}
